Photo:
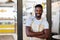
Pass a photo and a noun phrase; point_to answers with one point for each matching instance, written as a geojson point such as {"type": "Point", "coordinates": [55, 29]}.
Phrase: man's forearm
{"type": "Point", "coordinates": [35, 34]}
{"type": "Point", "coordinates": [30, 33]}
{"type": "Point", "coordinates": [42, 36]}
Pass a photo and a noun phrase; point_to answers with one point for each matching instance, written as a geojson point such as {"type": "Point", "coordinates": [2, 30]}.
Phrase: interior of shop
{"type": "Point", "coordinates": [8, 19]}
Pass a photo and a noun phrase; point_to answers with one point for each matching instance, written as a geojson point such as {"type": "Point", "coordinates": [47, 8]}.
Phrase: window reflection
{"type": "Point", "coordinates": [8, 19]}
{"type": "Point", "coordinates": [55, 15]}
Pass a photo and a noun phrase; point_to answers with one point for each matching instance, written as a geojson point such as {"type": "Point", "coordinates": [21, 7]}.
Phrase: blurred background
{"type": "Point", "coordinates": [8, 19]}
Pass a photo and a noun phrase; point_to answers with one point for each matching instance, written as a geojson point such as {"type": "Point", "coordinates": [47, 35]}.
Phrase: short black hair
{"type": "Point", "coordinates": [39, 5]}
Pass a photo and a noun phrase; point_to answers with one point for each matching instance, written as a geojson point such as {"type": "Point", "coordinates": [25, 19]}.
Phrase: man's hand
{"type": "Point", "coordinates": [46, 34]}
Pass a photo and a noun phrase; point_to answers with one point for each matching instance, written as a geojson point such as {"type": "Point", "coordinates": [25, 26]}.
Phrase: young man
{"type": "Point", "coordinates": [37, 28]}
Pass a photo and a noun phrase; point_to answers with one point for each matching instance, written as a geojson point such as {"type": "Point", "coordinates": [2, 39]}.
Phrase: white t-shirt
{"type": "Point", "coordinates": [37, 25]}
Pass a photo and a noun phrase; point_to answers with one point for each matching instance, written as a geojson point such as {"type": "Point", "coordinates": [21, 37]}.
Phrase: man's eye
{"type": "Point", "coordinates": [36, 10]}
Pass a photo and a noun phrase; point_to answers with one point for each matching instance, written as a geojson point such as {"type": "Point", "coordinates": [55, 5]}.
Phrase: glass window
{"type": "Point", "coordinates": [8, 19]}
{"type": "Point", "coordinates": [55, 15]}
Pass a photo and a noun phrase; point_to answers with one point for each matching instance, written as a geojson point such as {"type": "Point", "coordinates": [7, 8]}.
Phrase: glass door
{"type": "Point", "coordinates": [8, 19]}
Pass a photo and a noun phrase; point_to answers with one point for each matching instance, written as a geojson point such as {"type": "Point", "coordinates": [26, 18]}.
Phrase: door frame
{"type": "Point", "coordinates": [19, 17]}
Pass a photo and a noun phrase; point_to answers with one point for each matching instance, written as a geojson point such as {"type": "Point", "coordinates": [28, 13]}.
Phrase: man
{"type": "Point", "coordinates": [37, 28]}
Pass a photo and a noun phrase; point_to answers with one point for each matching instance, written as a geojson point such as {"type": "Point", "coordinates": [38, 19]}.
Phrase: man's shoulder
{"type": "Point", "coordinates": [43, 18]}
{"type": "Point", "coordinates": [31, 17]}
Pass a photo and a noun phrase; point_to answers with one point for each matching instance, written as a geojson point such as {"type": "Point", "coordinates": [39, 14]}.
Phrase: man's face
{"type": "Point", "coordinates": [38, 11]}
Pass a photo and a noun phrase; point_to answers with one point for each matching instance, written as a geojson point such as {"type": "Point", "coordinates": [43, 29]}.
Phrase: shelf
{"type": "Point", "coordinates": [6, 19]}
{"type": "Point", "coordinates": [7, 4]}
{"type": "Point", "coordinates": [7, 28]}
{"type": "Point", "coordinates": [7, 31]}
{"type": "Point", "coordinates": [7, 25]}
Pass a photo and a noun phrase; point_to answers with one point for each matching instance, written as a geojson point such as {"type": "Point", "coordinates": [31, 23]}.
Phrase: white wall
{"type": "Point", "coordinates": [3, 0]}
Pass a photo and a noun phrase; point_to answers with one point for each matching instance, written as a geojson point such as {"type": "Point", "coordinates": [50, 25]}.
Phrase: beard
{"type": "Point", "coordinates": [38, 15]}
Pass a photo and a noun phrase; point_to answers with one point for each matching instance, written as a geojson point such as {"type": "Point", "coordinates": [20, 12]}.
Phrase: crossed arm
{"type": "Point", "coordinates": [44, 34]}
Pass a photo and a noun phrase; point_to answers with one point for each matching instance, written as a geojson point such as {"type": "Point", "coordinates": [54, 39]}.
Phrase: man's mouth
{"type": "Point", "coordinates": [38, 14]}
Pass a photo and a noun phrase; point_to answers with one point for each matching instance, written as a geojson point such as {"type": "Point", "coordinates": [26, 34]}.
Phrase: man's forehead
{"type": "Point", "coordinates": [39, 8]}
